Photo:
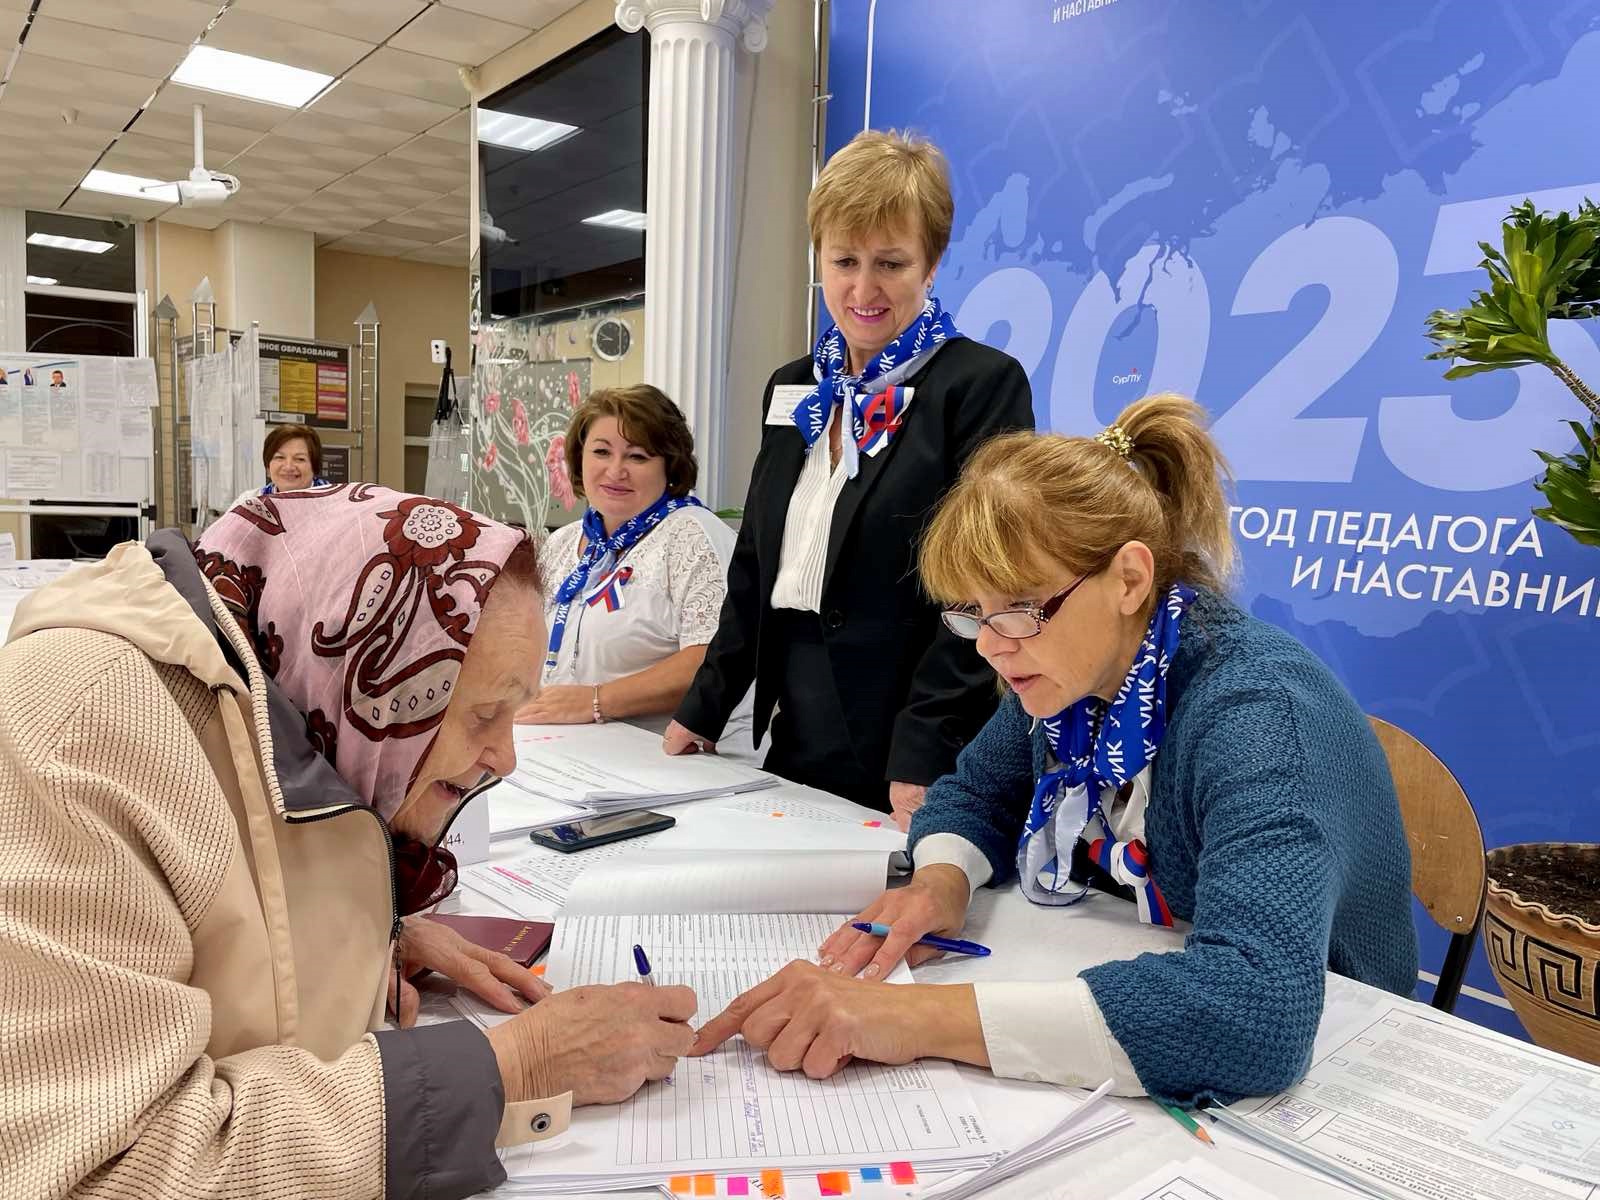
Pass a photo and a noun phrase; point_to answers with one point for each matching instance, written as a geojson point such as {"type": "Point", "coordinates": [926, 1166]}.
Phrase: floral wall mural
{"type": "Point", "coordinates": [523, 395]}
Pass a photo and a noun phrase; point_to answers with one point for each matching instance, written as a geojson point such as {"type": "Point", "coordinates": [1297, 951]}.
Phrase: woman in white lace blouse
{"type": "Point", "coordinates": [634, 590]}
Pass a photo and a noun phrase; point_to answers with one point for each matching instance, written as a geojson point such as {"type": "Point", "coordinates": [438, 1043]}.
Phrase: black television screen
{"type": "Point", "coordinates": [557, 150]}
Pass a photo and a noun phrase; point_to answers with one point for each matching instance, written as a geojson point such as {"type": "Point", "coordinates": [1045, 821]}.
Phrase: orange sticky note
{"type": "Point", "coordinates": [681, 1185]}
{"type": "Point", "coordinates": [777, 814]}
{"type": "Point", "coordinates": [537, 969]}
{"type": "Point", "coordinates": [873, 824]}
{"type": "Point", "coordinates": [705, 1185]}
{"type": "Point", "coordinates": [834, 1183]}
{"type": "Point", "coordinates": [772, 1183]}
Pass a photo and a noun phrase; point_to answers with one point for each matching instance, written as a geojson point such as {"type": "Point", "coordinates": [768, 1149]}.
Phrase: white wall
{"type": "Point", "coordinates": [268, 275]}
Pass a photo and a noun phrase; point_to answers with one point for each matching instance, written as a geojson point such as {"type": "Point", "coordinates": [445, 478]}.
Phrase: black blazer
{"type": "Point", "coordinates": [913, 692]}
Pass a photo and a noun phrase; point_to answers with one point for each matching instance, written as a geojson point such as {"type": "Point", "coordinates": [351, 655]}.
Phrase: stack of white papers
{"type": "Point", "coordinates": [720, 927]}
{"type": "Point", "coordinates": [569, 771]}
{"type": "Point", "coordinates": [1408, 1103]}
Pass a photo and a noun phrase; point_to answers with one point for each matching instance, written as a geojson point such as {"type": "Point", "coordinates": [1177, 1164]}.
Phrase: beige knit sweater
{"type": "Point", "coordinates": [186, 978]}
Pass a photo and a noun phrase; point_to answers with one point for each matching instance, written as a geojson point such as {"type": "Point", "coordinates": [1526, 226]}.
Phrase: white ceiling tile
{"type": "Point", "coordinates": [108, 48]}
{"type": "Point", "coordinates": [150, 157]}
{"type": "Point", "coordinates": [341, 211]}
{"type": "Point", "coordinates": [530, 14]}
{"type": "Point", "coordinates": [366, 243]}
{"type": "Point", "coordinates": [71, 79]}
{"type": "Point", "coordinates": [319, 221]}
{"type": "Point", "coordinates": [304, 161]}
{"type": "Point", "coordinates": [41, 107]}
{"type": "Point", "coordinates": [411, 75]}
{"type": "Point", "coordinates": [170, 20]}
{"type": "Point", "coordinates": [456, 129]}
{"type": "Point", "coordinates": [451, 205]}
{"type": "Point", "coordinates": [230, 110]}
{"type": "Point", "coordinates": [201, 218]}
{"type": "Point", "coordinates": [394, 227]}
{"type": "Point", "coordinates": [249, 205]}
{"type": "Point", "coordinates": [365, 190]}
{"type": "Point", "coordinates": [433, 151]}
{"type": "Point", "coordinates": [221, 139]}
{"type": "Point", "coordinates": [399, 170]}
{"type": "Point", "coordinates": [369, 20]}
{"type": "Point", "coordinates": [458, 37]}
{"type": "Point", "coordinates": [307, 126]}
{"type": "Point", "coordinates": [73, 141]}
{"type": "Point", "coordinates": [377, 107]}
{"type": "Point", "coordinates": [450, 254]}
{"type": "Point", "coordinates": [33, 196]}
{"type": "Point", "coordinates": [285, 42]}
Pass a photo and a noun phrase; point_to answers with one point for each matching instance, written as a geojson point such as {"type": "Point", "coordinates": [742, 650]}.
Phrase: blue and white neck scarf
{"type": "Point", "coordinates": [869, 429]}
{"type": "Point", "coordinates": [1100, 747]}
{"type": "Point", "coordinates": [601, 553]}
{"type": "Point", "coordinates": [272, 489]}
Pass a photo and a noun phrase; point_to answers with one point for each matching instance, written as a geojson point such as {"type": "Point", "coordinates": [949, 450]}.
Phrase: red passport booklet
{"type": "Point", "coordinates": [522, 941]}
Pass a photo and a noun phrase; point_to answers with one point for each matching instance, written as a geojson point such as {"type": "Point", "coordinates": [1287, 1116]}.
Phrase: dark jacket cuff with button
{"type": "Point", "coordinates": [443, 1100]}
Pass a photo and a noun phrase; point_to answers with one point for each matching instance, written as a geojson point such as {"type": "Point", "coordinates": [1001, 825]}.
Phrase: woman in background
{"type": "Point", "coordinates": [292, 456]}
{"type": "Point", "coordinates": [826, 612]}
{"type": "Point", "coordinates": [632, 591]}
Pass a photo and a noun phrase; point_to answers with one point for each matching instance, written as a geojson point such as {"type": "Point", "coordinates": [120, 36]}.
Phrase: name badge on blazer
{"type": "Point", "coordinates": [786, 398]}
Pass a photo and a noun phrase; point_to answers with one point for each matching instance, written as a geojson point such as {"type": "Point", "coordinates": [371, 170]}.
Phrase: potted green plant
{"type": "Point", "coordinates": [1542, 916]}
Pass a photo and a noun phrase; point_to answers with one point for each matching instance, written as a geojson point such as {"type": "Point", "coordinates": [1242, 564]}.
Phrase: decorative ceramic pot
{"type": "Point", "coordinates": [1547, 960]}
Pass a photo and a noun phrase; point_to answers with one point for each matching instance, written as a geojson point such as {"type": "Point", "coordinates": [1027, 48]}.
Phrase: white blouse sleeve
{"type": "Point", "coordinates": [697, 583]}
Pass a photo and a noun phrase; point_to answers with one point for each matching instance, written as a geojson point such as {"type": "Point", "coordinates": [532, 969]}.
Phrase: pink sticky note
{"type": "Point", "coordinates": [738, 1185]}
{"type": "Point", "coordinates": [902, 1172]}
{"type": "Point", "coordinates": [873, 824]}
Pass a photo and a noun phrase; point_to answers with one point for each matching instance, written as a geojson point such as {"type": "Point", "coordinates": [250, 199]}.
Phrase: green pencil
{"type": "Point", "coordinates": [1189, 1123]}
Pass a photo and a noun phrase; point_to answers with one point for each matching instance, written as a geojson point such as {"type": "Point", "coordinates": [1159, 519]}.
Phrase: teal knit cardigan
{"type": "Point", "coordinates": [1272, 826]}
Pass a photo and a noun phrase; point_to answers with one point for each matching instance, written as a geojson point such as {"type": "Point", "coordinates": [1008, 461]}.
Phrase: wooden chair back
{"type": "Point", "coordinates": [1447, 867]}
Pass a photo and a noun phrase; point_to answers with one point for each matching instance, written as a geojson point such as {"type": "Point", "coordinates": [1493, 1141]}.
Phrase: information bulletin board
{"type": "Point", "coordinates": [76, 427]}
{"type": "Point", "coordinates": [304, 382]}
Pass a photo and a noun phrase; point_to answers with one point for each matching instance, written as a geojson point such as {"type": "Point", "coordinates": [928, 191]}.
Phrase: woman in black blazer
{"type": "Point", "coordinates": [825, 610]}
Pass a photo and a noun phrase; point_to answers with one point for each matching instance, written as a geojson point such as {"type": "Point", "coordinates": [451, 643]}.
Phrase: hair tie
{"type": "Point", "coordinates": [1117, 438]}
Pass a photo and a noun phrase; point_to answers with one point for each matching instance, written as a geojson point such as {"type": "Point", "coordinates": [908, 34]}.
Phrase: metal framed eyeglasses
{"type": "Point", "coordinates": [1014, 624]}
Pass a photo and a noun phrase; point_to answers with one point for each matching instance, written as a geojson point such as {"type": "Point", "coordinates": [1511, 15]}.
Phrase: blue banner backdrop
{"type": "Point", "coordinates": [1257, 203]}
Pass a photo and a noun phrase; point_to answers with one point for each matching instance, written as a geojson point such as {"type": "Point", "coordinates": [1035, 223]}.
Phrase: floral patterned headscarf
{"type": "Point", "coordinates": [361, 603]}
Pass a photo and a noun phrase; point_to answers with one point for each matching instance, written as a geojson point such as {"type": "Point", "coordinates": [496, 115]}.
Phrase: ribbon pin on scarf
{"type": "Point", "coordinates": [609, 592]}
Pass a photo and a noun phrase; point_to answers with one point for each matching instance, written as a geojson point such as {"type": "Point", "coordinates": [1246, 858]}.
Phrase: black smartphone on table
{"type": "Point", "coordinates": [597, 831]}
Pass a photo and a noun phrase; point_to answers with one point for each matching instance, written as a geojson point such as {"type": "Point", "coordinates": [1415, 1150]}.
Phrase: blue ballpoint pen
{"type": "Point", "coordinates": [642, 965]}
{"type": "Point", "coordinates": [953, 945]}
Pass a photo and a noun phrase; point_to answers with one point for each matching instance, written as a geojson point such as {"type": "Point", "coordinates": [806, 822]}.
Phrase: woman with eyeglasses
{"type": "Point", "coordinates": [1156, 746]}
{"type": "Point", "coordinates": [225, 773]}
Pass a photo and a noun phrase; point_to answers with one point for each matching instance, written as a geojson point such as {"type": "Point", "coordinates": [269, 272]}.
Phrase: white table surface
{"type": "Point", "coordinates": [1035, 943]}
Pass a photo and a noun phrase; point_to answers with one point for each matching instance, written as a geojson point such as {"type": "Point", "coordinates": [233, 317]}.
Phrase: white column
{"type": "Point", "coordinates": [689, 196]}
{"type": "Point", "coordinates": [13, 278]}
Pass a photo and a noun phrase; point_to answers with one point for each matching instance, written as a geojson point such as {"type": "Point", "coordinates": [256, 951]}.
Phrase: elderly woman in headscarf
{"type": "Point", "coordinates": [225, 774]}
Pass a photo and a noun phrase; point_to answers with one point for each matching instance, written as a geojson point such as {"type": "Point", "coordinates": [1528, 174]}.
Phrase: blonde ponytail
{"type": "Point", "coordinates": [1028, 501]}
{"type": "Point", "coordinates": [1175, 454]}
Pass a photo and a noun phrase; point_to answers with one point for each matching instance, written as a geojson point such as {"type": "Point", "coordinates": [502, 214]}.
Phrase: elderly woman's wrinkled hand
{"type": "Point", "coordinates": [599, 1043]}
{"type": "Point", "coordinates": [494, 978]}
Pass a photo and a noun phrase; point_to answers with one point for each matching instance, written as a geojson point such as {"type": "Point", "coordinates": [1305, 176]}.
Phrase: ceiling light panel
{"type": "Point", "coordinates": [618, 218]}
{"type": "Point", "coordinates": [513, 132]}
{"type": "Point", "coordinates": [137, 186]}
{"type": "Point", "coordinates": [252, 78]}
{"type": "Point", "coordinates": [56, 242]}
{"type": "Point", "coordinates": [42, 280]}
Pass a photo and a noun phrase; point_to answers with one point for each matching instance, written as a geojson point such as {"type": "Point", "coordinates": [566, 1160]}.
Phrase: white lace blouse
{"type": "Point", "coordinates": [671, 600]}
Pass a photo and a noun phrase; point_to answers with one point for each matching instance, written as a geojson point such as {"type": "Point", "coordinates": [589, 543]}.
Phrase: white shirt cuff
{"type": "Point", "coordinates": [1052, 1032]}
{"type": "Point", "coordinates": [954, 850]}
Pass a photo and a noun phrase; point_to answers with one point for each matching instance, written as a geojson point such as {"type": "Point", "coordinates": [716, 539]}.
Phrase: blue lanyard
{"type": "Point", "coordinates": [601, 548]}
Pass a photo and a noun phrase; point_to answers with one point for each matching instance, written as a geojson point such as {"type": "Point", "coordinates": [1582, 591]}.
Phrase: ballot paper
{"type": "Point", "coordinates": [602, 768]}
{"type": "Point", "coordinates": [1414, 1106]}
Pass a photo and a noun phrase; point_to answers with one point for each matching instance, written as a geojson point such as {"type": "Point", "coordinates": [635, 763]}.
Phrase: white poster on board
{"type": "Point", "coordinates": [30, 473]}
